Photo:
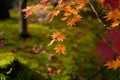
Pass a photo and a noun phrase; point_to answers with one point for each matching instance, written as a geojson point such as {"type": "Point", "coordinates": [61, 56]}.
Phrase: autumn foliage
{"type": "Point", "coordinates": [59, 48]}
{"type": "Point", "coordinates": [109, 47]}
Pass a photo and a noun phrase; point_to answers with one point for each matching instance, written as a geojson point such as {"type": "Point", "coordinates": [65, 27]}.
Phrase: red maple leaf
{"type": "Point", "coordinates": [106, 53]}
{"type": "Point", "coordinates": [114, 35]}
{"type": "Point", "coordinates": [109, 48]}
{"type": "Point", "coordinates": [114, 4]}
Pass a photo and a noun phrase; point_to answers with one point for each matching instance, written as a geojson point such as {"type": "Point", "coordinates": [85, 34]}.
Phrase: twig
{"type": "Point", "coordinates": [99, 20]}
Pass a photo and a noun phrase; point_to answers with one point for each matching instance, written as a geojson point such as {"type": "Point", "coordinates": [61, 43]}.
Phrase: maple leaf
{"type": "Point", "coordinates": [113, 36]}
{"type": "Point", "coordinates": [109, 48]}
{"type": "Point", "coordinates": [61, 38]}
{"type": "Point", "coordinates": [114, 4]}
{"type": "Point", "coordinates": [58, 36]}
{"type": "Point", "coordinates": [115, 23]}
{"type": "Point", "coordinates": [60, 49]}
{"type": "Point", "coordinates": [70, 11]}
{"type": "Point", "coordinates": [109, 65]}
{"type": "Point", "coordinates": [106, 53]}
{"type": "Point", "coordinates": [70, 22]}
{"type": "Point", "coordinates": [113, 14]}
{"type": "Point", "coordinates": [67, 13]}
{"type": "Point", "coordinates": [114, 64]}
{"type": "Point", "coordinates": [53, 14]}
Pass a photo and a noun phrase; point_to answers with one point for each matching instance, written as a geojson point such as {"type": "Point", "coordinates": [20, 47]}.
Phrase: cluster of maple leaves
{"type": "Point", "coordinates": [109, 47]}
{"type": "Point", "coordinates": [59, 48]}
{"type": "Point", "coordinates": [72, 8]}
{"type": "Point", "coordinates": [113, 11]}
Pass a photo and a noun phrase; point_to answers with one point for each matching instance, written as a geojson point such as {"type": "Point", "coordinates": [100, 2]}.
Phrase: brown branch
{"type": "Point", "coordinates": [93, 9]}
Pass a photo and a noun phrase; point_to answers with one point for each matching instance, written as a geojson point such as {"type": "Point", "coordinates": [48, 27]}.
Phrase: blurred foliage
{"type": "Point", "coordinates": [4, 77]}
{"type": "Point", "coordinates": [80, 62]}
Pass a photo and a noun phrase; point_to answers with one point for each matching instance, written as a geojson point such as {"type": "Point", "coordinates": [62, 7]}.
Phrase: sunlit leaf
{"type": "Point", "coordinates": [60, 49]}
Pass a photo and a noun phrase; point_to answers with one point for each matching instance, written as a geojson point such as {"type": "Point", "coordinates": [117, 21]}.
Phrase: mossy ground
{"type": "Point", "coordinates": [81, 60]}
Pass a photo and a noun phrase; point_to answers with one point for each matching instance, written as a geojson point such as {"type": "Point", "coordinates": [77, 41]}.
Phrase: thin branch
{"type": "Point", "coordinates": [99, 20]}
{"type": "Point", "coordinates": [112, 47]}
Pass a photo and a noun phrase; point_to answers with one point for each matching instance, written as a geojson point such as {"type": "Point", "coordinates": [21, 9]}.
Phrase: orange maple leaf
{"type": "Point", "coordinates": [60, 49]}
{"type": "Point", "coordinates": [53, 14]}
{"type": "Point", "coordinates": [115, 23]}
{"type": "Point", "coordinates": [61, 38]}
{"type": "Point", "coordinates": [58, 36]}
{"type": "Point", "coordinates": [113, 64]}
{"type": "Point", "coordinates": [113, 16]}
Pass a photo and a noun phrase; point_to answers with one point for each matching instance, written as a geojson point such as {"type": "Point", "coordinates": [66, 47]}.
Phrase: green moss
{"type": "Point", "coordinates": [6, 59]}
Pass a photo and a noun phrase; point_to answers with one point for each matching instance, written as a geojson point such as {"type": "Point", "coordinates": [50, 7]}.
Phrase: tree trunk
{"type": "Point", "coordinates": [4, 9]}
{"type": "Point", "coordinates": [23, 21]}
